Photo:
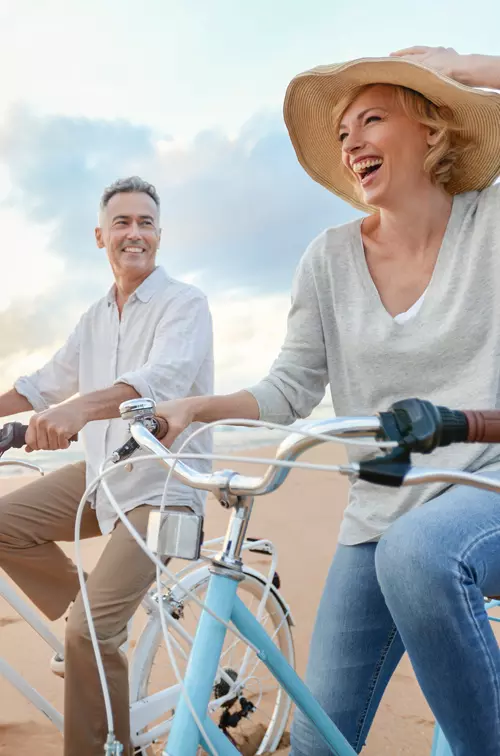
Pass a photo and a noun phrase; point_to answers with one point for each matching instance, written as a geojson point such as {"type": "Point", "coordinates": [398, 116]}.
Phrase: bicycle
{"type": "Point", "coordinates": [152, 701]}
{"type": "Point", "coordinates": [411, 425]}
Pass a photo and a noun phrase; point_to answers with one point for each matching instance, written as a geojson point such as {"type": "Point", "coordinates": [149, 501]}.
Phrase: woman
{"type": "Point", "coordinates": [401, 303]}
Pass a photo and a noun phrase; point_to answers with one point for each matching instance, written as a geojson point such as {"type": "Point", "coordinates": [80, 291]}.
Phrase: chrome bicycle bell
{"type": "Point", "coordinates": [137, 409]}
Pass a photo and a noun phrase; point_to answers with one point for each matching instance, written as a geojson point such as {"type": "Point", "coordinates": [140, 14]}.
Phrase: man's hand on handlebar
{"type": "Point", "coordinates": [55, 428]}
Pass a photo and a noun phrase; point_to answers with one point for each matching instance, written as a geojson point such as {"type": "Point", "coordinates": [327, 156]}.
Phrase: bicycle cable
{"type": "Point", "coordinates": [105, 472]}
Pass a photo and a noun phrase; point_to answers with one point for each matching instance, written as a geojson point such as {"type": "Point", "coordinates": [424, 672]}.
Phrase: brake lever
{"type": "Point", "coordinates": [125, 451]}
{"type": "Point", "coordinates": [155, 425]}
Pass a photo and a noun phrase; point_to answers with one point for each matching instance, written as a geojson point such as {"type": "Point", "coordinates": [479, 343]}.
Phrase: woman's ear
{"type": "Point", "coordinates": [433, 137]}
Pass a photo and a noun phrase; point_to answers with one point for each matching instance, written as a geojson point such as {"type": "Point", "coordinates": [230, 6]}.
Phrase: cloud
{"type": "Point", "coordinates": [242, 211]}
{"type": "Point", "coordinates": [58, 167]}
{"type": "Point", "coordinates": [236, 214]}
{"type": "Point", "coordinates": [52, 173]}
{"type": "Point", "coordinates": [28, 266]}
{"type": "Point", "coordinates": [244, 344]}
{"type": "Point", "coordinates": [238, 211]}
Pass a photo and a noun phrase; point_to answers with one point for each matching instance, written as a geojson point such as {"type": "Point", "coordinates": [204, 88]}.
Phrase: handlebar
{"type": "Point", "coordinates": [13, 436]}
{"type": "Point", "coordinates": [234, 483]}
{"type": "Point", "coordinates": [416, 425]}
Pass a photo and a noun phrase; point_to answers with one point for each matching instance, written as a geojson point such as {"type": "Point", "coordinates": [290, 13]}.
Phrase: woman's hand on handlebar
{"type": "Point", "coordinates": [54, 428]}
{"type": "Point", "coordinates": [179, 414]}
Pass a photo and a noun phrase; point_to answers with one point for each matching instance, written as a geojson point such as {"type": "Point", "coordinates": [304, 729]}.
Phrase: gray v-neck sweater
{"type": "Point", "coordinates": [340, 333]}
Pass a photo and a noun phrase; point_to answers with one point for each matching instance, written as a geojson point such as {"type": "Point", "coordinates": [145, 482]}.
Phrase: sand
{"type": "Point", "coordinates": [302, 519]}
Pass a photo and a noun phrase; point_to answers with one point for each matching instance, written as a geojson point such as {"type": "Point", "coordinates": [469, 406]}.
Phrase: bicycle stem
{"type": "Point", "coordinates": [230, 555]}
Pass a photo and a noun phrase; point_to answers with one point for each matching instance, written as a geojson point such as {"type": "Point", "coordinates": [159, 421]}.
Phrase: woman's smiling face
{"type": "Point", "coordinates": [383, 148]}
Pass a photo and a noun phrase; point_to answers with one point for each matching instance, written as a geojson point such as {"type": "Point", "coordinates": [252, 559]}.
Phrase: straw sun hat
{"type": "Point", "coordinates": [311, 98]}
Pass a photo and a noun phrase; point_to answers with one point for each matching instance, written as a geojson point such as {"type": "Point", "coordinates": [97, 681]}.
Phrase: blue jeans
{"type": "Point", "coordinates": [420, 588]}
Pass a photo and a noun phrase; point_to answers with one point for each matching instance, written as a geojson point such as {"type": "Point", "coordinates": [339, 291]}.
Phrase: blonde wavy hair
{"type": "Point", "coordinates": [440, 161]}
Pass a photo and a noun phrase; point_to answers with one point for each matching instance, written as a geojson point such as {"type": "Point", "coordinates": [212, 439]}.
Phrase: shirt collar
{"type": "Point", "coordinates": [153, 283]}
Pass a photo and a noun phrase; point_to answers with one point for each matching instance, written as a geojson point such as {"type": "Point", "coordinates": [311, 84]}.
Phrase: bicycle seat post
{"type": "Point", "coordinates": [229, 558]}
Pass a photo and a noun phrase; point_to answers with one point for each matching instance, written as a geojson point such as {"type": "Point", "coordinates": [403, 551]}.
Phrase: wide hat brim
{"type": "Point", "coordinates": [309, 116]}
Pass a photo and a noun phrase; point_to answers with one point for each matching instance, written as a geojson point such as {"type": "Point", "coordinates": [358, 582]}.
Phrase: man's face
{"type": "Point", "coordinates": [130, 233]}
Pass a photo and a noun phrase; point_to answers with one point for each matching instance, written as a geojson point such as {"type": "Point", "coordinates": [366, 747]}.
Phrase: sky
{"type": "Point", "coordinates": [187, 94]}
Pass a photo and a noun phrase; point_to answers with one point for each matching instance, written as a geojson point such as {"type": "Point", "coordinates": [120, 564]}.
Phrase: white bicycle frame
{"type": "Point", "coordinates": [142, 712]}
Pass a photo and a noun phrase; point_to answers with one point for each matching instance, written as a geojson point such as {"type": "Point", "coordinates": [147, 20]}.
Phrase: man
{"type": "Point", "coordinates": [151, 336]}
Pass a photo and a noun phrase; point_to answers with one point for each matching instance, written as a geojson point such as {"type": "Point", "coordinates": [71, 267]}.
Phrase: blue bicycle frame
{"type": "Point", "coordinates": [185, 736]}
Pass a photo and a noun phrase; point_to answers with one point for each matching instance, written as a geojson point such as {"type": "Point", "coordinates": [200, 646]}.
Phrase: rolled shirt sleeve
{"type": "Point", "coordinates": [298, 378]}
{"type": "Point", "coordinates": [57, 380]}
{"type": "Point", "coordinates": [182, 340]}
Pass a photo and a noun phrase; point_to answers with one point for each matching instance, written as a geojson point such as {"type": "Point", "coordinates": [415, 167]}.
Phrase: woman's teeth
{"type": "Point", "coordinates": [362, 165]}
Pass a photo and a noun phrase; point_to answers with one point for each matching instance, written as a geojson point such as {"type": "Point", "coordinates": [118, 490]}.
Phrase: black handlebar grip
{"type": "Point", "coordinates": [454, 426]}
{"type": "Point", "coordinates": [18, 435]}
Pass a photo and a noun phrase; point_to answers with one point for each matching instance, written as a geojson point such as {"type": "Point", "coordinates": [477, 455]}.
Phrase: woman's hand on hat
{"type": "Point", "coordinates": [442, 59]}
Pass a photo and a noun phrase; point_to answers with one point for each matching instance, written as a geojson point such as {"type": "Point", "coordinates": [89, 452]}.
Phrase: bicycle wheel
{"type": "Point", "coordinates": [252, 711]}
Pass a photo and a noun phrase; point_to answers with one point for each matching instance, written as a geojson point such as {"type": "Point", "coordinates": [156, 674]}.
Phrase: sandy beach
{"type": "Point", "coordinates": [302, 519]}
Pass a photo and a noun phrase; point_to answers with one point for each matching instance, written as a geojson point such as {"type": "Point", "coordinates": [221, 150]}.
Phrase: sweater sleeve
{"type": "Point", "coordinates": [297, 380]}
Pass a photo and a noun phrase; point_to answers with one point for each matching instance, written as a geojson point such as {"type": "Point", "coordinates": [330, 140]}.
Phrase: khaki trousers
{"type": "Point", "coordinates": [31, 520]}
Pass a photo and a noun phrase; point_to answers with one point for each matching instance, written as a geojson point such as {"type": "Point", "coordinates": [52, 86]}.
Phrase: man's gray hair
{"type": "Point", "coordinates": [130, 184]}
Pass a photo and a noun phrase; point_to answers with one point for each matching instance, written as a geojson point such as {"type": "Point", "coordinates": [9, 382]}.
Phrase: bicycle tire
{"type": "Point", "coordinates": [251, 738]}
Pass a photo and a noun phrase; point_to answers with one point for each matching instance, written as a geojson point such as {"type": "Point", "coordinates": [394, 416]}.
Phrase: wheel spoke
{"type": "Point", "coordinates": [254, 682]}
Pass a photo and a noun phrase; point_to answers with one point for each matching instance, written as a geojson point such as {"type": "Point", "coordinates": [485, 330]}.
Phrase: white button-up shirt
{"type": "Point", "coordinates": [162, 346]}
